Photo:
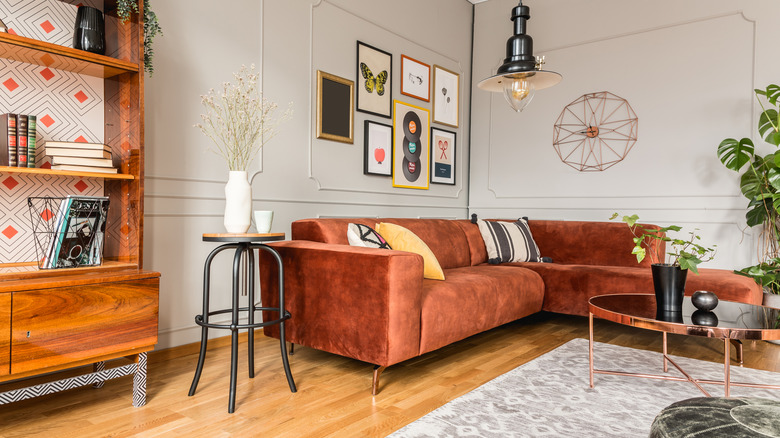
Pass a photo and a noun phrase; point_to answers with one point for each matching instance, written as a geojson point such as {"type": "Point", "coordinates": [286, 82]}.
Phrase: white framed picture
{"type": "Point", "coordinates": [442, 156]}
{"type": "Point", "coordinates": [446, 96]}
{"type": "Point", "coordinates": [415, 78]}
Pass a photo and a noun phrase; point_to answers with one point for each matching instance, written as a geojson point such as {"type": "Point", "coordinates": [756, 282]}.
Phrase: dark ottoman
{"type": "Point", "coordinates": [719, 417]}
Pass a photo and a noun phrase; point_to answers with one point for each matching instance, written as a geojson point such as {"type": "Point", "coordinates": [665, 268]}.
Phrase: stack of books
{"type": "Point", "coordinates": [17, 140]}
{"type": "Point", "coordinates": [79, 157]}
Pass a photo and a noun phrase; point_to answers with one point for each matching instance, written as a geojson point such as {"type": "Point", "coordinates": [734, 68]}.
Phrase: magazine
{"type": "Point", "coordinates": [78, 233]}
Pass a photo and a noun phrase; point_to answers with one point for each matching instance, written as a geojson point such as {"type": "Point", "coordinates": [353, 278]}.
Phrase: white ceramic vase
{"type": "Point", "coordinates": [238, 202]}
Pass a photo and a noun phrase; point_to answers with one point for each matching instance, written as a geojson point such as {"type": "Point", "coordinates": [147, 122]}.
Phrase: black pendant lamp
{"type": "Point", "coordinates": [521, 73]}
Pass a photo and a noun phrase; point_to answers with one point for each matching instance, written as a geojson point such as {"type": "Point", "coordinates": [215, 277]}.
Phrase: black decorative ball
{"type": "Point", "coordinates": [704, 300]}
{"type": "Point", "coordinates": [705, 318]}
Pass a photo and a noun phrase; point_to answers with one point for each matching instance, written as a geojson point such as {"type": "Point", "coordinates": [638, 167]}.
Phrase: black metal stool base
{"type": "Point", "coordinates": [234, 326]}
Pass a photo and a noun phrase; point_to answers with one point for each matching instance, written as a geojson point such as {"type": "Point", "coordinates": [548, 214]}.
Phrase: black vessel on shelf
{"type": "Point", "coordinates": [90, 33]}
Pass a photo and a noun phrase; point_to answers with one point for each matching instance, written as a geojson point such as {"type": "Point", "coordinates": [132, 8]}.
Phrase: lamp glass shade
{"type": "Point", "coordinates": [519, 92]}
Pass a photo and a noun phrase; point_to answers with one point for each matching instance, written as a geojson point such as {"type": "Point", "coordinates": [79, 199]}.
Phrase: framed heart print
{"type": "Point", "coordinates": [442, 156]}
{"type": "Point", "coordinates": [375, 80]}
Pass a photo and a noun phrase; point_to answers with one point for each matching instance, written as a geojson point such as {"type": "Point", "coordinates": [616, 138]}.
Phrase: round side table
{"type": "Point", "coordinates": [243, 244]}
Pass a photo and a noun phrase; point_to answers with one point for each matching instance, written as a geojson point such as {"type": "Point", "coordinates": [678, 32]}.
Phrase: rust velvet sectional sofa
{"type": "Point", "coordinates": [374, 305]}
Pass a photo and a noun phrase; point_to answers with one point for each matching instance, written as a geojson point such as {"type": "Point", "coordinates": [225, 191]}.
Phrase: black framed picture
{"type": "Point", "coordinates": [375, 80]}
{"type": "Point", "coordinates": [335, 118]}
{"type": "Point", "coordinates": [442, 156]}
{"type": "Point", "coordinates": [378, 150]}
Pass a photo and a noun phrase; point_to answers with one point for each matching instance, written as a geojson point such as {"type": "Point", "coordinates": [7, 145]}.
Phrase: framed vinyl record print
{"type": "Point", "coordinates": [411, 153]}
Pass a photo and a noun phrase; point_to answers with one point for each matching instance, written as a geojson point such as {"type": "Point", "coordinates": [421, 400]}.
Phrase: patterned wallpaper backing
{"type": "Point", "coordinates": [69, 107]}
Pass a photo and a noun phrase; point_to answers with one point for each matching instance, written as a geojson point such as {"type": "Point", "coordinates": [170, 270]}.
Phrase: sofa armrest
{"type": "Point", "coordinates": [362, 303]}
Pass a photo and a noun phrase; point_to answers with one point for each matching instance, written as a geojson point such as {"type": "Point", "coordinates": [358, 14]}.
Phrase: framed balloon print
{"type": "Point", "coordinates": [378, 150]}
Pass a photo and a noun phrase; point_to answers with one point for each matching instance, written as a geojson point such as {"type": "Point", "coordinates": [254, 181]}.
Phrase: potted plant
{"type": "Point", "coordinates": [151, 27]}
{"type": "Point", "coordinates": [760, 184]}
{"type": "Point", "coordinates": [668, 276]}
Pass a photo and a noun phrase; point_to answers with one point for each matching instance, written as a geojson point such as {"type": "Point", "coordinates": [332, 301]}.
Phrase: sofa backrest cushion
{"type": "Point", "coordinates": [444, 237]}
{"type": "Point", "coordinates": [588, 243]}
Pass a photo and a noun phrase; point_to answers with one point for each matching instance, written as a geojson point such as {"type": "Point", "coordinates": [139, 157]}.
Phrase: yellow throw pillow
{"type": "Point", "coordinates": [402, 239]}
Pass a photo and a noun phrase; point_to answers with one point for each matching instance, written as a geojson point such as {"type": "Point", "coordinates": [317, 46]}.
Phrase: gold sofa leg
{"type": "Point", "coordinates": [375, 384]}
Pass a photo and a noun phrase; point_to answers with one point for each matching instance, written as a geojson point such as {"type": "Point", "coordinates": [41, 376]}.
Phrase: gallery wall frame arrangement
{"type": "Point", "coordinates": [375, 80]}
{"type": "Point", "coordinates": [442, 156]}
{"type": "Point", "coordinates": [378, 149]}
{"type": "Point", "coordinates": [335, 101]}
{"type": "Point", "coordinates": [446, 96]}
{"type": "Point", "coordinates": [411, 153]}
{"type": "Point", "coordinates": [415, 78]}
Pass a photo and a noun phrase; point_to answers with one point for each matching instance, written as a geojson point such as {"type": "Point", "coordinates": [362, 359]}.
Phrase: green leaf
{"type": "Point", "coordinates": [773, 175]}
{"type": "Point", "coordinates": [750, 184]}
{"type": "Point", "coordinates": [631, 220]}
{"type": "Point", "coordinates": [735, 154]}
{"type": "Point", "coordinates": [772, 93]}
{"type": "Point", "coordinates": [757, 213]}
{"type": "Point", "coordinates": [767, 127]}
{"type": "Point", "coordinates": [640, 253]}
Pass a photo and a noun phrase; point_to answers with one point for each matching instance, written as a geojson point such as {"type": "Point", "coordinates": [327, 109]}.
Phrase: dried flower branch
{"type": "Point", "coordinates": [239, 120]}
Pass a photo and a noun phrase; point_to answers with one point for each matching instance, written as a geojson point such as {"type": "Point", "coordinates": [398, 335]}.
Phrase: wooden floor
{"type": "Point", "coordinates": [333, 397]}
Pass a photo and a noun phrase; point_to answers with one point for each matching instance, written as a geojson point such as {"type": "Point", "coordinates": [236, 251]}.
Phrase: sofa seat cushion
{"type": "Point", "coordinates": [475, 299]}
{"type": "Point", "coordinates": [569, 287]}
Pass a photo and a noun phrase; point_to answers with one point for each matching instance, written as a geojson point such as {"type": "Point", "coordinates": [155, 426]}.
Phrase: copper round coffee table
{"type": "Point", "coordinates": [730, 321]}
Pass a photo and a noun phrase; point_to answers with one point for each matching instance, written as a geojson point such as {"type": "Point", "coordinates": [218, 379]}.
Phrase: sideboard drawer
{"type": "Point", "coordinates": [5, 334]}
{"type": "Point", "coordinates": [56, 326]}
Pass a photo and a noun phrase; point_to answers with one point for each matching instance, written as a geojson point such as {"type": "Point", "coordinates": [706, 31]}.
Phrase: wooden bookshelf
{"type": "Point", "coordinates": [19, 48]}
{"type": "Point", "coordinates": [64, 318]}
{"type": "Point", "coordinates": [39, 171]}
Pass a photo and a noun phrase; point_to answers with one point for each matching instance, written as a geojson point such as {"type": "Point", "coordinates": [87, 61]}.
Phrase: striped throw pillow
{"type": "Point", "coordinates": [509, 241]}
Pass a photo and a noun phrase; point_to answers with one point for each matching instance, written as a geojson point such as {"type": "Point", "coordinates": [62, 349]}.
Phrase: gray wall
{"type": "Point", "coordinates": [299, 176]}
{"type": "Point", "coordinates": [688, 70]}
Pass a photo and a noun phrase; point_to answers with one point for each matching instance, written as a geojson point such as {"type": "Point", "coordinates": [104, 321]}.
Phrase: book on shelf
{"type": "Point", "coordinates": [73, 168]}
{"type": "Point", "coordinates": [76, 145]}
{"type": "Point", "coordinates": [55, 151]}
{"type": "Point", "coordinates": [32, 128]}
{"type": "Point", "coordinates": [78, 233]}
{"type": "Point", "coordinates": [21, 140]}
{"type": "Point", "coordinates": [81, 161]}
{"type": "Point", "coordinates": [8, 139]}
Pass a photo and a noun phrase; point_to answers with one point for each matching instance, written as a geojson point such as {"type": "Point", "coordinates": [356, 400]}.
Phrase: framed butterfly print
{"type": "Point", "coordinates": [446, 96]}
{"type": "Point", "coordinates": [415, 78]}
{"type": "Point", "coordinates": [375, 79]}
{"type": "Point", "coordinates": [442, 156]}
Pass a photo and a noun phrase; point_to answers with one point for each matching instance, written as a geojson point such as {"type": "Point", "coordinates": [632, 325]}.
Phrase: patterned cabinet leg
{"type": "Point", "coordinates": [139, 382]}
{"type": "Point", "coordinates": [96, 368]}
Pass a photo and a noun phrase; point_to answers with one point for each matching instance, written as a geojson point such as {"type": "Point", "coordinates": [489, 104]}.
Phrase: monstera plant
{"type": "Point", "coordinates": [760, 183]}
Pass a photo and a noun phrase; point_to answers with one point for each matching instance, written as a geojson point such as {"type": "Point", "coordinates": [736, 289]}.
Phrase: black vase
{"type": "Point", "coordinates": [669, 283]}
{"type": "Point", "coordinates": [90, 32]}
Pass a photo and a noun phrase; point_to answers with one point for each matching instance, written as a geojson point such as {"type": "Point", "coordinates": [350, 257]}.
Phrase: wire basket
{"type": "Point", "coordinates": [68, 231]}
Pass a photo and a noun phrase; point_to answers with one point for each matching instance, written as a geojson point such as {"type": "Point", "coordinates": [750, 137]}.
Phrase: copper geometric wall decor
{"type": "Point", "coordinates": [595, 132]}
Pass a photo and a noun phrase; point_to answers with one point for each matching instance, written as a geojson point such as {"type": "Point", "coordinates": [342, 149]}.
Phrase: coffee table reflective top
{"type": "Point", "coordinates": [729, 319]}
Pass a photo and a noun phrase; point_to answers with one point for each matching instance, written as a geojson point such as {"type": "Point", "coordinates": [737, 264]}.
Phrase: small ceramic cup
{"type": "Point", "coordinates": [263, 220]}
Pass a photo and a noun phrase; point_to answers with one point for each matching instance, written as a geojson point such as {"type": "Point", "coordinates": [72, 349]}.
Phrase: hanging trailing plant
{"type": "Point", "coordinates": [151, 27]}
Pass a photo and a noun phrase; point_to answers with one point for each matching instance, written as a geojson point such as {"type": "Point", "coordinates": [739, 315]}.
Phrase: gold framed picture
{"type": "Point", "coordinates": [335, 101]}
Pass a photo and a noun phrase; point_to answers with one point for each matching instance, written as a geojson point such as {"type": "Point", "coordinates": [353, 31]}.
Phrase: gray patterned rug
{"type": "Point", "coordinates": [550, 396]}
